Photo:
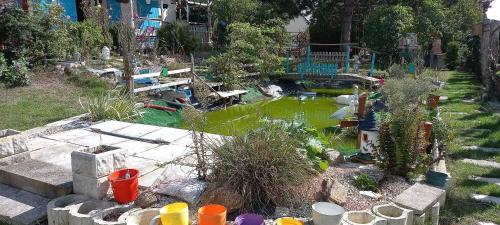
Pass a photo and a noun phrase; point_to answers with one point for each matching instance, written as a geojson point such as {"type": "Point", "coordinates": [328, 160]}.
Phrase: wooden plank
{"type": "Point", "coordinates": [226, 94]}
{"type": "Point", "coordinates": [154, 87]}
{"type": "Point", "coordinates": [157, 74]}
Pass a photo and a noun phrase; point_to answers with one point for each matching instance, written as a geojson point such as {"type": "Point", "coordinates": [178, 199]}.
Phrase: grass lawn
{"type": "Point", "coordinates": [52, 96]}
{"type": "Point", "coordinates": [474, 123]}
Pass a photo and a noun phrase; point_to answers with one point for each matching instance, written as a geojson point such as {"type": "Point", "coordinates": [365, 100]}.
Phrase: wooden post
{"type": "Point", "coordinates": [362, 105]}
{"type": "Point", "coordinates": [372, 65]}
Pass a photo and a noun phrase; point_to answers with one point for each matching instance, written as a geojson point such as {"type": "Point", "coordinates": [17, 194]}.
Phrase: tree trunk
{"type": "Point", "coordinates": [126, 45]}
{"type": "Point", "coordinates": [347, 21]}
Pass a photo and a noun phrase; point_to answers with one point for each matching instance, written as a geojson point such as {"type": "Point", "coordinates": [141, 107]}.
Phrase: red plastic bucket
{"type": "Point", "coordinates": [125, 190]}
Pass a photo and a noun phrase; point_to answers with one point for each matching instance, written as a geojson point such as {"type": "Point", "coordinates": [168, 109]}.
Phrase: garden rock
{"type": "Point", "coordinates": [374, 172]}
{"type": "Point", "coordinates": [232, 200]}
{"type": "Point", "coordinates": [338, 193]}
{"type": "Point", "coordinates": [12, 143]}
{"type": "Point", "coordinates": [324, 193]}
{"type": "Point", "coordinates": [334, 157]}
{"type": "Point", "coordinates": [146, 199]}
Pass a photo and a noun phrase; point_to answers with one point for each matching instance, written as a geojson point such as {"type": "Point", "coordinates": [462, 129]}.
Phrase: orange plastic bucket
{"type": "Point", "coordinates": [288, 221]}
{"type": "Point", "coordinates": [212, 215]}
{"type": "Point", "coordinates": [175, 214]}
{"type": "Point", "coordinates": [125, 189]}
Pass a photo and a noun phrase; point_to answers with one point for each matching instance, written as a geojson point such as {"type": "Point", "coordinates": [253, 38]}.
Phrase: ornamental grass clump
{"type": "Point", "coordinates": [114, 105]}
{"type": "Point", "coordinates": [264, 167]}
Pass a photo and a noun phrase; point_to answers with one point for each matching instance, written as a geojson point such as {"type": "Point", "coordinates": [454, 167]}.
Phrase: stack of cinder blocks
{"type": "Point", "coordinates": [90, 170]}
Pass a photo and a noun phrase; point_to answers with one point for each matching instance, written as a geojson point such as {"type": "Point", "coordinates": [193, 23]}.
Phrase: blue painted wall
{"type": "Point", "coordinates": [114, 9]}
{"type": "Point", "coordinates": [69, 8]}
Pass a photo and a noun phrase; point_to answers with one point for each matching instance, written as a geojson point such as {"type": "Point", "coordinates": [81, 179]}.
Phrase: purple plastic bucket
{"type": "Point", "coordinates": [249, 219]}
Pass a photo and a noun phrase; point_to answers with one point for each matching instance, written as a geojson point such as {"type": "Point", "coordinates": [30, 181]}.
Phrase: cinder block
{"type": "Point", "coordinates": [96, 188]}
{"type": "Point", "coordinates": [394, 214]}
{"type": "Point", "coordinates": [58, 209]}
{"type": "Point", "coordinates": [82, 213]}
{"type": "Point", "coordinates": [362, 217]}
{"type": "Point", "coordinates": [98, 165]}
{"type": "Point", "coordinates": [122, 210]}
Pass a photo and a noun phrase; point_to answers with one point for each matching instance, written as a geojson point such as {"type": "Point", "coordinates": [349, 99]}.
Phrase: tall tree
{"type": "Point", "coordinates": [347, 21]}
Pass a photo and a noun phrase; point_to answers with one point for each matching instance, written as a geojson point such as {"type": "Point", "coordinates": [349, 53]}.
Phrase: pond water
{"type": "Point", "coordinates": [239, 119]}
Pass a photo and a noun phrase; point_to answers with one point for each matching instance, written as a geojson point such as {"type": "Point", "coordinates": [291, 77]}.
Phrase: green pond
{"type": "Point", "coordinates": [239, 119]}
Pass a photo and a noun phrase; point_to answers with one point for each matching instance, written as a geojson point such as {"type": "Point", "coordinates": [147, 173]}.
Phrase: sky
{"type": "Point", "coordinates": [494, 11]}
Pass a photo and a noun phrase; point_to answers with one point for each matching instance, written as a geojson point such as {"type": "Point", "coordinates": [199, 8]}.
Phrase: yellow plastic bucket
{"type": "Point", "coordinates": [175, 214]}
{"type": "Point", "coordinates": [287, 221]}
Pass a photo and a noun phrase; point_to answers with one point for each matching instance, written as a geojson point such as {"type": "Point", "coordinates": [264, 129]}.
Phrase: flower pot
{"type": "Point", "coordinates": [433, 101]}
{"type": "Point", "coordinates": [325, 213]}
{"type": "Point", "coordinates": [249, 219]}
{"type": "Point", "coordinates": [288, 221]}
{"type": "Point", "coordinates": [143, 216]}
{"type": "Point", "coordinates": [82, 213]}
{"type": "Point", "coordinates": [394, 214]}
{"type": "Point", "coordinates": [175, 214]}
{"type": "Point", "coordinates": [362, 217]}
{"type": "Point", "coordinates": [114, 216]}
{"type": "Point", "coordinates": [58, 209]}
{"type": "Point", "coordinates": [212, 215]}
{"type": "Point", "coordinates": [125, 190]}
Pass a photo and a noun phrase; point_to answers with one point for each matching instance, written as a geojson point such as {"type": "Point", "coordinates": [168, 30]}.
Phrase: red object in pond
{"type": "Point", "coordinates": [160, 107]}
{"type": "Point", "coordinates": [181, 100]}
{"type": "Point", "coordinates": [125, 189]}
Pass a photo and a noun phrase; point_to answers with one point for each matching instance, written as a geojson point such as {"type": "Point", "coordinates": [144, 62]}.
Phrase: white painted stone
{"type": "Point", "coordinates": [98, 165]}
{"type": "Point", "coordinates": [371, 194]}
{"type": "Point", "coordinates": [486, 223]}
{"type": "Point", "coordinates": [110, 126]}
{"type": "Point", "coordinates": [58, 209]}
{"type": "Point", "coordinates": [482, 149]}
{"type": "Point", "coordinates": [96, 188]}
{"type": "Point", "coordinates": [143, 216]}
{"type": "Point", "coordinates": [81, 214]}
{"type": "Point", "coordinates": [137, 130]}
{"type": "Point", "coordinates": [135, 147]}
{"type": "Point", "coordinates": [486, 198]}
{"type": "Point", "coordinates": [12, 144]}
{"type": "Point", "coordinates": [166, 134]}
{"type": "Point", "coordinates": [362, 217]}
{"type": "Point", "coordinates": [325, 213]}
{"type": "Point", "coordinates": [486, 179]}
{"type": "Point", "coordinates": [394, 214]}
{"type": "Point", "coordinates": [485, 163]}
{"type": "Point", "coordinates": [125, 210]}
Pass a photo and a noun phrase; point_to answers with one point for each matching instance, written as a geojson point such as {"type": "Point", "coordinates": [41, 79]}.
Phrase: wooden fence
{"type": "Point", "coordinates": [328, 57]}
{"type": "Point", "coordinates": [201, 32]}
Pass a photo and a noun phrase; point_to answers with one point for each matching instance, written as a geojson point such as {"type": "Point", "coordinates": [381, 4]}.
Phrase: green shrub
{"type": "Point", "coordinates": [176, 38]}
{"type": "Point", "coordinates": [90, 38]}
{"type": "Point", "coordinates": [263, 166]}
{"type": "Point", "coordinates": [364, 182]}
{"type": "Point", "coordinates": [16, 74]}
{"type": "Point", "coordinates": [452, 55]}
{"type": "Point", "coordinates": [37, 37]}
{"type": "Point", "coordinates": [113, 105]}
{"type": "Point", "coordinates": [396, 71]}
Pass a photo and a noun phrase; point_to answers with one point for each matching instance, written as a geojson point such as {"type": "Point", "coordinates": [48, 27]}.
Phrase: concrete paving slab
{"type": "Point", "coordinates": [41, 142]}
{"type": "Point", "coordinates": [95, 140]}
{"type": "Point", "coordinates": [167, 134]}
{"type": "Point", "coordinates": [134, 147]}
{"type": "Point", "coordinates": [110, 125]}
{"type": "Point", "coordinates": [70, 135]}
{"type": "Point", "coordinates": [21, 207]}
{"type": "Point", "coordinates": [59, 155]}
{"type": "Point", "coordinates": [482, 149]}
{"type": "Point", "coordinates": [149, 179]}
{"type": "Point", "coordinates": [165, 153]}
{"type": "Point", "coordinates": [486, 179]}
{"type": "Point", "coordinates": [38, 177]}
{"type": "Point", "coordinates": [184, 141]}
{"type": "Point", "coordinates": [486, 198]}
{"type": "Point", "coordinates": [143, 165]}
{"type": "Point", "coordinates": [137, 130]}
{"type": "Point", "coordinates": [419, 197]}
{"type": "Point", "coordinates": [485, 163]}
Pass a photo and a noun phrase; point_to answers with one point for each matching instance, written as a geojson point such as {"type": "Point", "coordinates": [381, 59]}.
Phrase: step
{"type": "Point", "coordinates": [486, 179]}
{"type": "Point", "coordinates": [21, 207]}
{"type": "Point", "coordinates": [482, 149]}
{"type": "Point", "coordinates": [486, 198]}
{"type": "Point", "coordinates": [38, 177]}
{"type": "Point", "coordinates": [485, 163]}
